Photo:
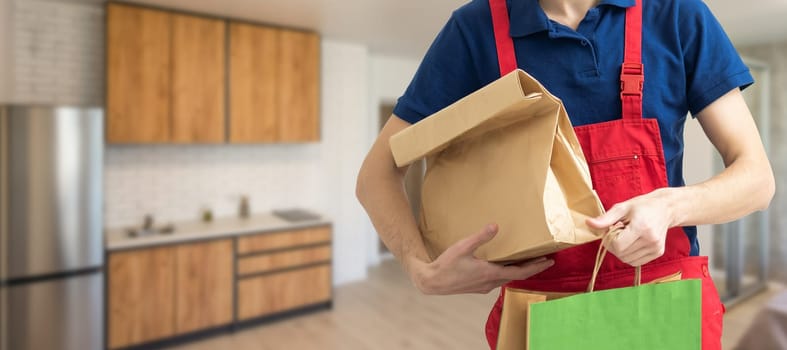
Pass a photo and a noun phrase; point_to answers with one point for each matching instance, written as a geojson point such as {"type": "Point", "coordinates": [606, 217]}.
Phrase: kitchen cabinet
{"type": "Point", "coordinates": [162, 293]}
{"type": "Point", "coordinates": [285, 259]}
{"type": "Point", "coordinates": [299, 90]}
{"type": "Point", "coordinates": [156, 293]}
{"type": "Point", "coordinates": [138, 74]}
{"type": "Point", "coordinates": [198, 79]}
{"type": "Point", "coordinates": [169, 75]}
{"type": "Point", "coordinates": [283, 271]}
{"type": "Point", "coordinates": [165, 77]}
{"type": "Point", "coordinates": [272, 293]}
{"type": "Point", "coordinates": [274, 84]}
{"type": "Point", "coordinates": [286, 239]}
{"type": "Point", "coordinates": [141, 288]}
{"type": "Point", "coordinates": [253, 83]}
{"type": "Point", "coordinates": [203, 295]}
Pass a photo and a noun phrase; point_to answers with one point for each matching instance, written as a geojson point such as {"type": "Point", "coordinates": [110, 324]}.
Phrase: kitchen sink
{"type": "Point", "coordinates": [152, 231]}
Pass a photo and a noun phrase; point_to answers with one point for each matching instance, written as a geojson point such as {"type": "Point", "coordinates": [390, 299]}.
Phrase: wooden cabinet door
{"type": "Point", "coordinates": [299, 87]}
{"type": "Point", "coordinates": [141, 286]}
{"type": "Point", "coordinates": [138, 74]}
{"type": "Point", "coordinates": [204, 285]}
{"type": "Point", "coordinates": [272, 293]}
{"type": "Point", "coordinates": [253, 83]}
{"type": "Point", "coordinates": [198, 79]}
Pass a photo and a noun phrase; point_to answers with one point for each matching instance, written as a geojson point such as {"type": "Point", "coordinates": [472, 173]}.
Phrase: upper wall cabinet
{"type": "Point", "coordinates": [138, 75]}
{"type": "Point", "coordinates": [165, 77]}
{"type": "Point", "coordinates": [274, 85]}
{"type": "Point", "coordinates": [167, 80]}
{"type": "Point", "coordinates": [299, 92]}
{"type": "Point", "coordinates": [254, 64]}
{"type": "Point", "coordinates": [198, 79]}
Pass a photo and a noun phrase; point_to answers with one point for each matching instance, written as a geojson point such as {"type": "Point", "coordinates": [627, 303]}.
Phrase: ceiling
{"type": "Point", "coordinates": [406, 27]}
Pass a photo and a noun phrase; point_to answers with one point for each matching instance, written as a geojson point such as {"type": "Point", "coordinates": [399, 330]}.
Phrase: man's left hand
{"type": "Point", "coordinates": [646, 218]}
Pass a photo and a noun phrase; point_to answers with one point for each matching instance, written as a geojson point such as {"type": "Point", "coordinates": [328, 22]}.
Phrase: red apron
{"type": "Point", "coordinates": [626, 159]}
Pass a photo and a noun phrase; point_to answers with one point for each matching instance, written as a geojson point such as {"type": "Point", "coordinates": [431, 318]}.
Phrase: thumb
{"type": "Point", "coordinates": [611, 217]}
{"type": "Point", "coordinates": [470, 244]}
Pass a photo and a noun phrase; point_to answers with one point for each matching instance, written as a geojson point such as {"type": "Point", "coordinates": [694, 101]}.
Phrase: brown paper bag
{"type": "Point", "coordinates": [505, 154]}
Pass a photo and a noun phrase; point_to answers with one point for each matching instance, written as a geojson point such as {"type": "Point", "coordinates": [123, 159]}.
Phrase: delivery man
{"type": "Point", "coordinates": [628, 72]}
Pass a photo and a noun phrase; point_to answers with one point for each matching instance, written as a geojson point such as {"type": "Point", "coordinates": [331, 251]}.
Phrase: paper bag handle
{"type": "Point", "coordinates": [613, 233]}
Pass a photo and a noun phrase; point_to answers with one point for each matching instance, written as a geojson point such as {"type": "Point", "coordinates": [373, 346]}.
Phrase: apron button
{"type": "Point", "coordinates": [705, 271]}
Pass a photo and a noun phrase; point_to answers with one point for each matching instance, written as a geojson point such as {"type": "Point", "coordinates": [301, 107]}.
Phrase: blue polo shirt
{"type": "Point", "coordinates": [689, 63]}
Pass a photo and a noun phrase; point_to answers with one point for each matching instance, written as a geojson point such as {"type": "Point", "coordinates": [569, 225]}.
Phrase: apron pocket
{"type": "Point", "coordinates": [616, 179]}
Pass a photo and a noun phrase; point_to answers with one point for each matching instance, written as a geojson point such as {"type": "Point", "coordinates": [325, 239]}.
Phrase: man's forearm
{"type": "Point", "coordinates": [744, 187]}
{"type": "Point", "coordinates": [385, 201]}
{"type": "Point", "coordinates": [380, 189]}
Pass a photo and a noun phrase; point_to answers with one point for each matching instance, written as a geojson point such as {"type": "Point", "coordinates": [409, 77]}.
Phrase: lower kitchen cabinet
{"type": "Point", "coordinates": [157, 293]}
{"type": "Point", "coordinates": [141, 287]}
{"type": "Point", "coordinates": [160, 293]}
{"type": "Point", "coordinates": [277, 292]}
{"type": "Point", "coordinates": [203, 297]}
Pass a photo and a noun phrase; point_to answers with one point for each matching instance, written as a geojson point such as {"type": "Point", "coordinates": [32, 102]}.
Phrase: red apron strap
{"type": "Point", "coordinates": [632, 74]}
{"type": "Point", "coordinates": [505, 45]}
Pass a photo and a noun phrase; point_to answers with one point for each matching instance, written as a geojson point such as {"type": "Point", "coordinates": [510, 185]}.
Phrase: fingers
{"type": "Point", "coordinates": [468, 245]}
{"type": "Point", "coordinates": [617, 213]}
{"type": "Point", "coordinates": [620, 245]}
{"type": "Point", "coordinates": [640, 252]}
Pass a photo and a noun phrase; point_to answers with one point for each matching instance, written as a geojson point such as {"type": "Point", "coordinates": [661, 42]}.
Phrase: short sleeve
{"type": "Point", "coordinates": [445, 75]}
{"type": "Point", "coordinates": [713, 65]}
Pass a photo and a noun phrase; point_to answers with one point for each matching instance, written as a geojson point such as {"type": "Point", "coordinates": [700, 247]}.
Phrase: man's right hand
{"type": "Point", "coordinates": [457, 271]}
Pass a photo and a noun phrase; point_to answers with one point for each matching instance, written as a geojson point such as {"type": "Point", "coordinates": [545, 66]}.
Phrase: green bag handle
{"type": "Point", "coordinates": [613, 233]}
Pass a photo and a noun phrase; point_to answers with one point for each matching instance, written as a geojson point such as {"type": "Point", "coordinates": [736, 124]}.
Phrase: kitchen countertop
{"type": "Point", "coordinates": [189, 231]}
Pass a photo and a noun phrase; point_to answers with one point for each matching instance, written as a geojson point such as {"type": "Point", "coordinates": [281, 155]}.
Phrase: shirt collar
{"type": "Point", "coordinates": [528, 17]}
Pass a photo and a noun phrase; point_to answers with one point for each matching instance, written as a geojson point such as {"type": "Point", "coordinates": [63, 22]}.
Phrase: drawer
{"type": "Point", "coordinates": [283, 260]}
{"type": "Point", "coordinates": [279, 240]}
{"type": "Point", "coordinates": [269, 294]}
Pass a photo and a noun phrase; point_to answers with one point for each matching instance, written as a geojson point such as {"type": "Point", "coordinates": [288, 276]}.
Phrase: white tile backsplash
{"type": "Point", "coordinates": [176, 182]}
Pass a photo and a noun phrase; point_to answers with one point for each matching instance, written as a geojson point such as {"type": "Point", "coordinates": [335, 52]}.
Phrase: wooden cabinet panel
{"type": "Point", "coordinates": [204, 275]}
{"type": "Point", "coordinates": [274, 261]}
{"type": "Point", "coordinates": [138, 74]}
{"type": "Point", "coordinates": [299, 87]}
{"type": "Point", "coordinates": [198, 79]}
{"type": "Point", "coordinates": [260, 296]}
{"type": "Point", "coordinates": [253, 83]}
{"type": "Point", "coordinates": [269, 241]}
{"type": "Point", "coordinates": [140, 294]}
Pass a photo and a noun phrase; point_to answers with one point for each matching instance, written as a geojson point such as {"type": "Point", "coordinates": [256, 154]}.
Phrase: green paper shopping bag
{"type": "Point", "coordinates": [649, 317]}
{"type": "Point", "coordinates": [665, 314]}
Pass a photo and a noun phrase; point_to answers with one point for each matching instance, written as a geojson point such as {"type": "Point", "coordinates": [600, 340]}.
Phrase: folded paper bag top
{"type": "Point", "coordinates": [505, 154]}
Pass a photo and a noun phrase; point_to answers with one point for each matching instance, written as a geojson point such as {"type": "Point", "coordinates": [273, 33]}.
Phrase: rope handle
{"type": "Point", "coordinates": [612, 234]}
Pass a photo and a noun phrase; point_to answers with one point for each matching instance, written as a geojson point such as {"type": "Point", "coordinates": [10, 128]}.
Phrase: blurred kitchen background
{"type": "Point", "coordinates": [181, 173]}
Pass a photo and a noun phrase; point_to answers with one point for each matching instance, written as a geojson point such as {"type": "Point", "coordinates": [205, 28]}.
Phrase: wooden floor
{"type": "Point", "coordinates": [386, 312]}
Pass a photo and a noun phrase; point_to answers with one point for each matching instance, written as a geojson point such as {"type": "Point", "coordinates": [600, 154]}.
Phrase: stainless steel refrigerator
{"type": "Point", "coordinates": [51, 242]}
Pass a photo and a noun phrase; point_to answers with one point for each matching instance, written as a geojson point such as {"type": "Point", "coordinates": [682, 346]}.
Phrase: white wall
{"type": "Point", "coordinates": [345, 122]}
{"type": "Point", "coordinates": [389, 78]}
